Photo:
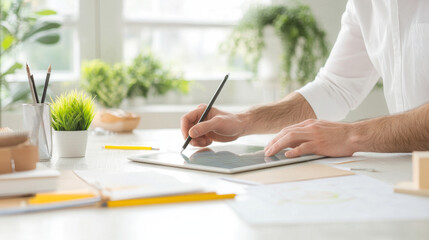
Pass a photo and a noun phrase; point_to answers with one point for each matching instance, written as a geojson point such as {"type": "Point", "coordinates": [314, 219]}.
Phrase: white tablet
{"type": "Point", "coordinates": [224, 159]}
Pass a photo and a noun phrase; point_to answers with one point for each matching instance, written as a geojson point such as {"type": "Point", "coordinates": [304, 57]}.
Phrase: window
{"type": "Point", "coordinates": [64, 56]}
{"type": "Point", "coordinates": [185, 33]}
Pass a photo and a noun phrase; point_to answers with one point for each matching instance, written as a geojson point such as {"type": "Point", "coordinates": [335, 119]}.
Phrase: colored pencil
{"type": "Point", "coordinates": [30, 83]}
{"type": "Point", "coordinates": [34, 88]}
{"type": "Point", "coordinates": [169, 199]}
{"type": "Point", "coordinates": [48, 75]}
{"type": "Point", "coordinates": [130, 147]}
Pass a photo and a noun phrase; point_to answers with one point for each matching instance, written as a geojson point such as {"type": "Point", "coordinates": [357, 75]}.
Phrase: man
{"type": "Point", "coordinates": [388, 39]}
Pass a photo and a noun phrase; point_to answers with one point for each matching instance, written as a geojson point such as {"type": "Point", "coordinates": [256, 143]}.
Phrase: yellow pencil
{"type": "Point", "coordinates": [170, 199]}
{"type": "Point", "coordinates": [42, 198]}
{"type": "Point", "coordinates": [130, 147]}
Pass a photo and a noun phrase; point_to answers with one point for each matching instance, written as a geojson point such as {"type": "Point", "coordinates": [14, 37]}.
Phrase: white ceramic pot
{"type": "Point", "coordinates": [70, 143]}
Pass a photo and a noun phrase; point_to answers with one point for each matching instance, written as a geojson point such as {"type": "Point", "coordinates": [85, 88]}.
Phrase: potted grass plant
{"type": "Point", "coordinates": [71, 113]}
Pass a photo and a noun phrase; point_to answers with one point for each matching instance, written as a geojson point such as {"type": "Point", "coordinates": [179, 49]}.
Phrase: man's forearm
{"type": "Point", "coordinates": [273, 117]}
{"type": "Point", "coordinates": [397, 133]}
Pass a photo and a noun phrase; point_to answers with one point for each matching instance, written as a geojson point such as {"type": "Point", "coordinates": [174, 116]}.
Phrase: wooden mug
{"type": "Point", "coordinates": [25, 157]}
{"type": "Point", "coordinates": [5, 160]}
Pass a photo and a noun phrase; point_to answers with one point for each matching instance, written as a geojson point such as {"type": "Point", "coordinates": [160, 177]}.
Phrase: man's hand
{"type": "Point", "coordinates": [313, 137]}
{"type": "Point", "coordinates": [218, 126]}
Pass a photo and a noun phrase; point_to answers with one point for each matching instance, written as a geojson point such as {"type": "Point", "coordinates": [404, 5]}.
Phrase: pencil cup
{"type": "Point", "coordinates": [37, 121]}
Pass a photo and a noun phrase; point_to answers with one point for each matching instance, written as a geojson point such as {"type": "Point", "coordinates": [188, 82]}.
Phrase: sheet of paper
{"type": "Point", "coordinates": [349, 198]}
{"type": "Point", "coordinates": [340, 160]}
{"type": "Point", "coordinates": [291, 173]}
{"type": "Point", "coordinates": [128, 185]}
{"type": "Point", "coordinates": [360, 156]}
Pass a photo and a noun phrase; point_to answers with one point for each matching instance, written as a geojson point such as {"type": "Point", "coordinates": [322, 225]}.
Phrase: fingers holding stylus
{"type": "Point", "coordinates": [190, 119]}
{"type": "Point", "coordinates": [203, 141]}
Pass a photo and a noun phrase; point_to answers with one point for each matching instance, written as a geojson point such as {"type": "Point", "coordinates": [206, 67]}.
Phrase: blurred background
{"type": "Point", "coordinates": [161, 58]}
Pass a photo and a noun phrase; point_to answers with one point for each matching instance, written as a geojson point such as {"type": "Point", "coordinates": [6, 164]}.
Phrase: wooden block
{"type": "Point", "coordinates": [421, 170]}
{"type": "Point", "coordinates": [410, 188]}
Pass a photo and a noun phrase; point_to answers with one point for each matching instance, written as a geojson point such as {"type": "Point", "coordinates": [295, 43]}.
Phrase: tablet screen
{"type": "Point", "coordinates": [225, 156]}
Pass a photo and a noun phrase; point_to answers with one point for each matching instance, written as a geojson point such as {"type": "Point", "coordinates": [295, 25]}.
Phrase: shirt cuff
{"type": "Point", "coordinates": [323, 100]}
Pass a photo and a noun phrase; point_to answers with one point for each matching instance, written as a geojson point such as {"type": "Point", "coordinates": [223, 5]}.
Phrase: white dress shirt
{"type": "Point", "coordinates": [378, 38]}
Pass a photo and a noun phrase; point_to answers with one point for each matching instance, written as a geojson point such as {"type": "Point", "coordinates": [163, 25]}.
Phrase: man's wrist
{"type": "Point", "coordinates": [245, 123]}
{"type": "Point", "coordinates": [357, 136]}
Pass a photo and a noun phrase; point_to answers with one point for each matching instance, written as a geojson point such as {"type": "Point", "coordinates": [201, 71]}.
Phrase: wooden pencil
{"type": "Point", "coordinates": [34, 88]}
{"type": "Point", "coordinates": [48, 75]}
{"type": "Point", "coordinates": [30, 83]}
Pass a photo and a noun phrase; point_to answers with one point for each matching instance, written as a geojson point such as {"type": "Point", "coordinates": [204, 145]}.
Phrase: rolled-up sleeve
{"type": "Point", "coordinates": [347, 77]}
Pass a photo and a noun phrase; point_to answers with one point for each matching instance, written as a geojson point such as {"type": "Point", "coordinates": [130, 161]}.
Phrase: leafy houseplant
{"type": "Point", "coordinates": [146, 73]}
{"type": "Point", "coordinates": [19, 26]}
{"type": "Point", "coordinates": [72, 114]}
{"type": "Point", "coordinates": [108, 84]}
{"type": "Point", "coordinates": [303, 41]}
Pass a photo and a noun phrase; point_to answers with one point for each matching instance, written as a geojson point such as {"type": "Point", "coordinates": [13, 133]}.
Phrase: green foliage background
{"type": "Point", "coordinates": [146, 74]}
{"type": "Point", "coordinates": [19, 25]}
{"type": "Point", "coordinates": [108, 84]}
{"type": "Point", "coordinates": [304, 44]}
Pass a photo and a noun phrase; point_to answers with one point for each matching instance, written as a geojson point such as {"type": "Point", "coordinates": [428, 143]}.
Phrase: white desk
{"type": "Point", "coordinates": [198, 220]}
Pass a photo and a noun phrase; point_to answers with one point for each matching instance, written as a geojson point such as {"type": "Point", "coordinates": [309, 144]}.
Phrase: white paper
{"type": "Point", "coordinates": [360, 156]}
{"type": "Point", "coordinates": [136, 184]}
{"type": "Point", "coordinates": [349, 198]}
{"type": "Point", "coordinates": [340, 160]}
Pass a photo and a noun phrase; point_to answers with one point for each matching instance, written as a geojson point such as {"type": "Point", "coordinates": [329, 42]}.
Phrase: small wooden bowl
{"type": "Point", "coordinates": [116, 120]}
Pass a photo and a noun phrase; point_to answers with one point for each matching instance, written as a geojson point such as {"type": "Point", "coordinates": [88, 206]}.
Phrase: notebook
{"type": "Point", "coordinates": [38, 180]}
{"type": "Point", "coordinates": [67, 183]}
{"type": "Point", "coordinates": [129, 185]}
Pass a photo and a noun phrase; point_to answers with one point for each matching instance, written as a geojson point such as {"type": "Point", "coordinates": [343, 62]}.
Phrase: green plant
{"type": "Point", "coordinates": [108, 84]}
{"type": "Point", "coordinates": [147, 73]}
{"type": "Point", "coordinates": [18, 25]}
{"type": "Point", "coordinates": [73, 111]}
{"type": "Point", "coordinates": [303, 41]}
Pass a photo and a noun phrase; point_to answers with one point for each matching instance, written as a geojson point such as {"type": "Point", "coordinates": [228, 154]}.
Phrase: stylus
{"type": "Point", "coordinates": [206, 112]}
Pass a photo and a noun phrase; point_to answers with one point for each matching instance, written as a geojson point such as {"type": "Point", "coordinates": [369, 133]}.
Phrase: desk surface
{"type": "Point", "coordinates": [202, 220]}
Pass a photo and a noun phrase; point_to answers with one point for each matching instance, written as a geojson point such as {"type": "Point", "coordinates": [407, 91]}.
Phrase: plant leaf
{"type": "Point", "coordinates": [41, 27]}
{"type": "Point", "coordinates": [50, 38]}
{"type": "Point", "coordinates": [17, 94]}
{"type": "Point", "coordinates": [46, 12]}
{"type": "Point", "coordinates": [6, 27]}
{"type": "Point", "coordinates": [11, 70]}
{"type": "Point", "coordinates": [7, 42]}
